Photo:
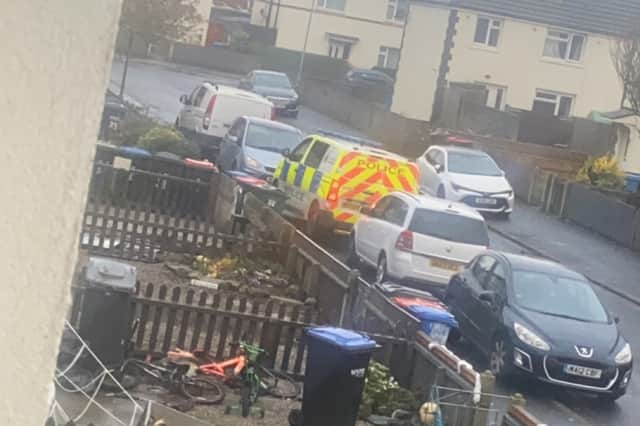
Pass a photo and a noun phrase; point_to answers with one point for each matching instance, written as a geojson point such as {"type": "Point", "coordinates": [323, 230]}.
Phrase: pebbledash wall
{"type": "Point", "coordinates": [63, 61]}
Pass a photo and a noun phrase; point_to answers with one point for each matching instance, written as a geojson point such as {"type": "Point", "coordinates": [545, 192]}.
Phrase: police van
{"type": "Point", "coordinates": [329, 177]}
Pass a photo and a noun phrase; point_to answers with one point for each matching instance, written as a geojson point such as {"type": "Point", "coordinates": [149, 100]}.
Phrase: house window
{"type": "Point", "coordinates": [553, 104]}
{"type": "Point", "coordinates": [495, 96]}
{"type": "Point", "coordinates": [564, 45]}
{"type": "Point", "coordinates": [389, 57]}
{"type": "Point", "coordinates": [332, 4]}
{"type": "Point", "coordinates": [397, 10]}
{"type": "Point", "coordinates": [487, 31]}
{"type": "Point", "coordinates": [339, 49]}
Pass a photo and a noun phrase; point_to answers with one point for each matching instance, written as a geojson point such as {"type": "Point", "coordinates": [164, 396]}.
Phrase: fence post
{"type": "Point", "coordinates": [310, 280]}
{"type": "Point", "coordinates": [292, 257]}
{"type": "Point", "coordinates": [517, 400]}
{"type": "Point", "coordinates": [349, 298]}
{"type": "Point", "coordinates": [285, 239]}
{"type": "Point", "coordinates": [269, 341]}
{"type": "Point", "coordinates": [488, 382]}
{"type": "Point", "coordinates": [214, 185]}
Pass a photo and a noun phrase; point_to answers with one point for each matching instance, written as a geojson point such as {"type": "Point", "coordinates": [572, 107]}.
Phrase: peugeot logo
{"type": "Point", "coordinates": [584, 351]}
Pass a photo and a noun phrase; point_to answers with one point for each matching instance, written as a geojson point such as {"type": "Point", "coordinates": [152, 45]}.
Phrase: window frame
{"type": "Point", "coordinates": [570, 39]}
{"type": "Point", "coordinates": [339, 46]}
{"type": "Point", "coordinates": [557, 102]}
{"type": "Point", "coordinates": [381, 206]}
{"type": "Point", "coordinates": [492, 24]}
{"type": "Point", "coordinates": [488, 271]}
{"type": "Point", "coordinates": [499, 100]}
{"type": "Point", "coordinates": [385, 52]}
{"type": "Point", "coordinates": [323, 4]}
{"type": "Point", "coordinates": [393, 6]}
{"type": "Point", "coordinates": [199, 96]}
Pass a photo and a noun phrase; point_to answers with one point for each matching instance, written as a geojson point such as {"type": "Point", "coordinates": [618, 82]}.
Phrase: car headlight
{"type": "Point", "coordinates": [253, 163]}
{"type": "Point", "coordinates": [530, 338]}
{"type": "Point", "coordinates": [624, 356]}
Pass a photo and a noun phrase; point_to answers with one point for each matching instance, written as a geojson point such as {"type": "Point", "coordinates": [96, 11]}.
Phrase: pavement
{"type": "Point", "coordinates": [615, 270]}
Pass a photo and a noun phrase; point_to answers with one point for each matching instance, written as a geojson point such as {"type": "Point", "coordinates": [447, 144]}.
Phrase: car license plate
{"type": "Point", "coordinates": [445, 264]}
{"type": "Point", "coordinates": [487, 201]}
{"type": "Point", "coordinates": [576, 370]}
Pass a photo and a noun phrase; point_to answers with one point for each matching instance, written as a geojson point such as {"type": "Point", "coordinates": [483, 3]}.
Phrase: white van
{"type": "Point", "coordinates": [210, 110]}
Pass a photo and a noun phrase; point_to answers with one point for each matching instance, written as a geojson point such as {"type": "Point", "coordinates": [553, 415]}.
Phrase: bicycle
{"type": "Point", "coordinates": [177, 379]}
{"type": "Point", "coordinates": [256, 379]}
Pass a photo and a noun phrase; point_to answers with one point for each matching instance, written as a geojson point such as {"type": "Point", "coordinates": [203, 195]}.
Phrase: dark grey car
{"type": "Point", "coordinates": [255, 145]}
{"type": "Point", "coordinates": [274, 86]}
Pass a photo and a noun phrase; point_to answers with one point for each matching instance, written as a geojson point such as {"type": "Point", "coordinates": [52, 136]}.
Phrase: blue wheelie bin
{"type": "Point", "coordinates": [337, 363]}
{"type": "Point", "coordinates": [435, 322]}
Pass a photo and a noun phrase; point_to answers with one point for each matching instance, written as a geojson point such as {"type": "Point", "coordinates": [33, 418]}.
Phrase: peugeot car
{"type": "Point", "coordinates": [274, 86]}
{"type": "Point", "coordinates": [539, 318]}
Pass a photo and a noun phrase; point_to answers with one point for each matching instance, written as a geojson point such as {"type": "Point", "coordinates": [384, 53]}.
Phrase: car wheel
{"type": "Point", "coordinates": [500, 357]}
{"type": "Point", "coordinates": [381, 269]}
{"type": "Point", "coordinates": [440, 193]}
{"type": "Point", "coordinates": [353, 260]}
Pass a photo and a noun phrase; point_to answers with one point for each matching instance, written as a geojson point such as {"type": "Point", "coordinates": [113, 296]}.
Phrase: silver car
{"type": "Point", "coordinates": [255, 145]}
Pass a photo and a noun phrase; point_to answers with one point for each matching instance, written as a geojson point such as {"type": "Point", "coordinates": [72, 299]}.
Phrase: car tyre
{"type": "Point", "coordinates": [381, 269]}
{"type": "Point", "coordinates": [500, 357]}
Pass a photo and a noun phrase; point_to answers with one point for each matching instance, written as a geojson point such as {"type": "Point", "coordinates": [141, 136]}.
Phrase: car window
{"type": "Point", "coordinates": [237, 129]}
{"type": "Point", "coordinates": [396, 212]}
{"type": "Point", "coordinates": [273, 80]}
{"type": "Point", "coordinates": [316, 154]}
{"type": "Point", "coordinates": [270, 138]}
{"type": "Point", "coordinates": [297, 154]}
{"type": "Point", "coordinates": [199, 96]}
{"type": "Point", "coordinates": [329, 160]}
{"type": "Point", "coordinates": [193, 95]}
{"type": "Point", "coordinates": [497, 280]}
{"type": "Point", "coordinates": [478, 164]}
{"type": "Point", "coordinates": [450, 227]}
{"type": "Point", "coordinates": [555, 295]}
{"type": "Point", "coordinates": [482, 270]}
{"type": "Point", "coordinates": [381, 206]}
{"type": "Point", "coordinates": [434, 157]}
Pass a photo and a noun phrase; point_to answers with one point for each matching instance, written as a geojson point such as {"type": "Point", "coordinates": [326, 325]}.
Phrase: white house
{"type": "Point", "coordinates": [546, 55]}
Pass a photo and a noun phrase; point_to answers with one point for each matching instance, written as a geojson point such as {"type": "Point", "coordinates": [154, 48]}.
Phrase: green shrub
{"type": "Point", "coordinates": [167, 139]}
{"type": "Point", "coordinates": [133, 127]}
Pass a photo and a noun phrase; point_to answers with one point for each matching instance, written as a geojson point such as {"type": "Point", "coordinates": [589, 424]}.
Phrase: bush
{"type": "Point", "coordinates": [382, 395]}
{"type": "Point", "coordinates": [602, 172]}
{"type": "Point", "coordinates": [133, 127]}
{"type": "Point", "coordinates": [167, 139]}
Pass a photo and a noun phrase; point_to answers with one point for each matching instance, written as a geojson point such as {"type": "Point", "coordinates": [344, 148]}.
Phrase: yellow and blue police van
{"type": "Point", "coordinates": [329, 177]}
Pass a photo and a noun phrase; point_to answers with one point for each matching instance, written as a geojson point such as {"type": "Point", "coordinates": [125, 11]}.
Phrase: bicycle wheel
{"type": "Point", "coordinates": [245, 400]}
{"type": "Point", "coordinates": [278, 384]}
{"type": "Point", "coordinates": [201, 390]}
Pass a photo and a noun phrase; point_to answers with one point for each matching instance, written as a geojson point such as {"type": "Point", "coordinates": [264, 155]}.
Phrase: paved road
{"type": "Point", "coordinates": [159, 86]}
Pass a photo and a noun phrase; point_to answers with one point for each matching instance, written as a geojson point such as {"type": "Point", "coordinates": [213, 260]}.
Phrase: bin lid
{"type": "Point", "coordinates": [199, 164]}
{"type": "Point", "coordinates": [104, 272]}
{"type": "Point", "coordinates": [133, 152]}
{"type": "Point", "coordinates": [426, 313]}
{"type": "Point", "coordinates": [247, 179]}
{"type": "Point", "coordinates": [344, 339]}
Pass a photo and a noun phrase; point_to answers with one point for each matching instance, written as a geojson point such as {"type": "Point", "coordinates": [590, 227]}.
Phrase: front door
{"type": "Point", "coordinates": [486, 313]}
{"type": "Point", "coordinates": [431, 165]}
{"type": "Point", "coordinates": [186, 117]}
{"type": "Point", "coordinates": [288, 177]}
{"type": "Point", "coordinates": [368, 237]}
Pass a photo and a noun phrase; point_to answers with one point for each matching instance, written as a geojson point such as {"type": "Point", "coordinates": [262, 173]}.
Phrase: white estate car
{"type": "Point", "coordinates": [417, 238]}
{"type": "Point", "coordinates": [466, 175]}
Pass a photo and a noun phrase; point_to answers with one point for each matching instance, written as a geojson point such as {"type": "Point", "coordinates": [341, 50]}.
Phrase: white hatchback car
{"type": "Point", "coordinates": [466, 175]}
{"type": "Point", "coordinates": [417, 238]}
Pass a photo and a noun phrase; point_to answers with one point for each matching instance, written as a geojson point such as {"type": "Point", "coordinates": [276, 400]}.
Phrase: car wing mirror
{"type": "Point", "coordinates": [286, 153]}
{"type": "Point", "coordinates": [488, 297]}
{"type": "Point", "coordinates": [184, 99]}
{"type": "Point", "coordinates": [438, 167]}
{"type": "Point", "coordinates": [616, 319]}
{"type": "Point", "coordinates": [366, 210]}
{"type": "Point", "coordinates": [233, 138]}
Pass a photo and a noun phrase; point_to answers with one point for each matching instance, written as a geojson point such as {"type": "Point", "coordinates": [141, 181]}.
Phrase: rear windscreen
{"type": "Point", "coordinates": [450, 227]}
